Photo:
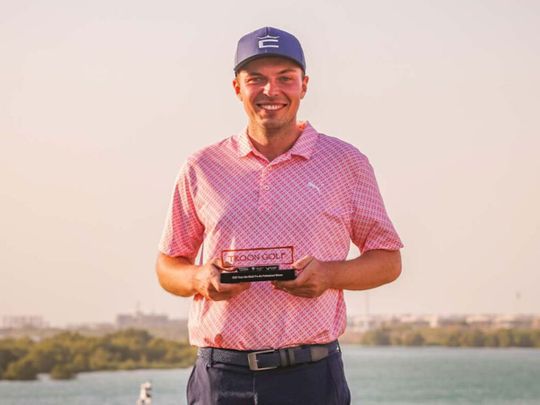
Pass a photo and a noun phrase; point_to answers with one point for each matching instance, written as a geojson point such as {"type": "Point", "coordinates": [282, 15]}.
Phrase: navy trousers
{"type": "Point", "coordinates": [322, 382]}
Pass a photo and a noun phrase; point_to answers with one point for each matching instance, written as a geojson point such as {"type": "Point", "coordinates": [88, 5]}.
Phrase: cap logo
{"type": "Point", "coordinates": [268, 41]}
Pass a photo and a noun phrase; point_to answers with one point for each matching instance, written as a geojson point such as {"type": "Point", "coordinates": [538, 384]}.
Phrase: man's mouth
{"type": "Point", "coordinates": [271, 107]}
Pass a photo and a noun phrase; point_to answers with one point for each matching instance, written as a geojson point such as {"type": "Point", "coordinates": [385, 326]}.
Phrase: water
{"type": "Point", "coordinates": [445, 376]}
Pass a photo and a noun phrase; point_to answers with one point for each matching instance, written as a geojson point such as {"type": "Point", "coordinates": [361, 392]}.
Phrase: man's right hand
{"type": "Point", "coordinates": [180, 276]}
{"type": "Point", "coordinates": [206, 282]}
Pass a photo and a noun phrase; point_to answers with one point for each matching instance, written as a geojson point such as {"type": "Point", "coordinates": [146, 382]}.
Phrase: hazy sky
{"type": "Point", "coordinates": [101, 102]}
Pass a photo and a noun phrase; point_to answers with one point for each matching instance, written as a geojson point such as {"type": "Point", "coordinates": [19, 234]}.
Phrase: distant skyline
{"type": "Point", "coordinates": [16, 322]}
{"type": "Point", "coordinates": [102, 102]}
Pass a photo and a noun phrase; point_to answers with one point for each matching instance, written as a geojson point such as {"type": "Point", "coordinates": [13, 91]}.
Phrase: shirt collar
{"type": "Point", "coordinates": [304, 145]}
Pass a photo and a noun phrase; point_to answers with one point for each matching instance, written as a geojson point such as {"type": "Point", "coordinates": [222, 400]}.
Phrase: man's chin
{"type": "Point", "coordinates": [273, 124]}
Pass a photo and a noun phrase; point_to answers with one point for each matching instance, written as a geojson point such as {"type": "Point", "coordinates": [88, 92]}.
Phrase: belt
{"type": "Point", "coordinates": [269, 359]}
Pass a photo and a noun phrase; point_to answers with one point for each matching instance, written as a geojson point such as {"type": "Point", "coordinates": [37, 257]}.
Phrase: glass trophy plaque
{"type": "Point", "coordinates": [258, 264]}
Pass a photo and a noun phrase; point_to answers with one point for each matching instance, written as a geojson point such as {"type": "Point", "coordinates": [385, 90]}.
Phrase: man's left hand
{"type": "Point", "coordinates": [313, 279]}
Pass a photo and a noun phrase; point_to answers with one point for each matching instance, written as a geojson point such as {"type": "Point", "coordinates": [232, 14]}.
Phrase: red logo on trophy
{"type": "Point", "coordinates": [257, 264]}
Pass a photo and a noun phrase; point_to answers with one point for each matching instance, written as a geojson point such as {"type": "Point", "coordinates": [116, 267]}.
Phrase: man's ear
{"type": "Point", "coordinates": [305, 81]}
{"type": "Point", "coordinates": [236, 86]}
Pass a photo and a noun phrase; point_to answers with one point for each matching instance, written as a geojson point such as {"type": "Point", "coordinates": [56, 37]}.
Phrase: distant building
{"type": "Point", "coordinates": [513, 321]}
{"type": "Point", "coordinates": [362, 323]}
{"type": "Point", "coordinates": [480, 321]}
{"type": "Point", "coordinates": [24, 322]}
{"type": "Point", "coordinates": [141, 320]}
{"type": "Point", "coordinates": [440, 321]}
{"type": "Point", "coordinates": [157, 324]}
{"type": "Point", "coordinates": [415, 320]}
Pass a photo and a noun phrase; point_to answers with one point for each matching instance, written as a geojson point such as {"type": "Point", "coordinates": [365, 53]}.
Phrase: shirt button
{"type": "Point", "coordinates": [266, 187]}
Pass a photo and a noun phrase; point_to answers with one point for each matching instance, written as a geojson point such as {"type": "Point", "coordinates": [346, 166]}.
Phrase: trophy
{"type": "Point", "coordinates": [257, 264]}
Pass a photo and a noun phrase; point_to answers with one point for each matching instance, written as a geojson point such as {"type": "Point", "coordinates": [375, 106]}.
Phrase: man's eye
{"type": "Point", "coordinates": [254, 80]}
{"type": "Point", "coordinates": [285, 79]}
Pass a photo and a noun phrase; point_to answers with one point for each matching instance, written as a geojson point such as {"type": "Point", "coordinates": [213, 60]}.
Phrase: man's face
{"type": "Point", "coordinates": [271, 89]}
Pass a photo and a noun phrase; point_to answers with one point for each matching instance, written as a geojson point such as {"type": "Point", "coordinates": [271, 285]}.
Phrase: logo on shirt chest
{"type": "Point", "coordinates": [313, 186]}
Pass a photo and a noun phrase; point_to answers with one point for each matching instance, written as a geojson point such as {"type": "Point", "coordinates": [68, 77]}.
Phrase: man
{"type": "Point", "coordinates": [278, 183]}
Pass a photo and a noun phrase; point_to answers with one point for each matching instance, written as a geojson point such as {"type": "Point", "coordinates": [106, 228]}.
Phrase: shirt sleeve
{"type": "Point", "coordinates": [371, 227]}
{"type": "Point", "coordinates": [183, 231]}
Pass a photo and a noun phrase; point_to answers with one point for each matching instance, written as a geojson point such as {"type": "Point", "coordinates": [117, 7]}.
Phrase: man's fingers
{"type": "Point", "coordinates": [211, 286]}
{"type": "Point", "coordinates": [217, 263]}
{"type": "Point", "coordinates": [236, 288]}
{"type": "Point", "coordinates": [226, 288]}
{"type": "Point", "coordinates": [303, 262]}
{"type": "Point", "coordinates": [286, 285]}
{"type": "Point", "coordinates": [298, 291]}
{"type": "Point", "coordinates": [227, 291]}
{"type": "Point", "coordinates": [298, 281]}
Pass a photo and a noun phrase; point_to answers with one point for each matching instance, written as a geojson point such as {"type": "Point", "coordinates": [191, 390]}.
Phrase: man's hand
{"type": "Point", "coordinates": [372, 269]}
{"type": "Point", "coordinates": [206, 282]}
{"type": "Point", "coordinates": [311, 282]}
{"type": "Point", "coordinates": [180, 276]}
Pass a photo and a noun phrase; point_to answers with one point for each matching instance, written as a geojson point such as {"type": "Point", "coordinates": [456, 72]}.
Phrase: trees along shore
{"type": "Point", "coordinates": [66, 354]}
{"type": "Point", "coordinates": [446, 336]}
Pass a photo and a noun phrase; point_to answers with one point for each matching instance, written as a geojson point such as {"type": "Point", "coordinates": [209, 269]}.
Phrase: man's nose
{"type": "Point", "coordinates": [270, 88]}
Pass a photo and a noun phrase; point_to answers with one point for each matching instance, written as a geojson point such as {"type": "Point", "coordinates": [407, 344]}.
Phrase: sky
{"type": "Point", "coordinates": [101, 102]}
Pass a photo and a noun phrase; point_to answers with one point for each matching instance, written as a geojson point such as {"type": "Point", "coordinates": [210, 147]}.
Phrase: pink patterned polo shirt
{"type": "Point", "coordinates": [316, 197]}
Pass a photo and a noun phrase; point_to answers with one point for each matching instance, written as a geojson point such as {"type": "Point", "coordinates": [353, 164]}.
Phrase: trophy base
{"type": "Point", "coordinates": [246, 276]}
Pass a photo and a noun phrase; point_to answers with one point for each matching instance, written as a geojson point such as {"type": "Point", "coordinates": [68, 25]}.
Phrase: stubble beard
{"type": "Point", "coordinates": [274, 128]}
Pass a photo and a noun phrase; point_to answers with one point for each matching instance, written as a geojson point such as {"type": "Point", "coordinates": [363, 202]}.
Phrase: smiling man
{"type": "Point", "coordinates": [278, 189]}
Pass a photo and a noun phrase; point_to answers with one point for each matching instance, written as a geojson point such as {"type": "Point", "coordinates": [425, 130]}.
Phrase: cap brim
{"type": "Point", "coordinates": [266, 55]}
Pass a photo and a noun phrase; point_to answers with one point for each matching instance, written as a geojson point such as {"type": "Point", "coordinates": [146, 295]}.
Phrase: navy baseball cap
{"type": "Point", "coordinates": [268, 41]}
